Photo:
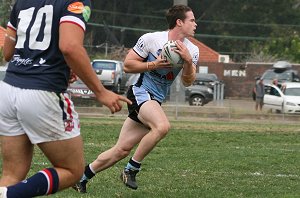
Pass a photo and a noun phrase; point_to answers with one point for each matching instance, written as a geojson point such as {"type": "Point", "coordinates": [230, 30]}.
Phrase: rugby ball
{"type": "Point", "coordinates": [168, 53]}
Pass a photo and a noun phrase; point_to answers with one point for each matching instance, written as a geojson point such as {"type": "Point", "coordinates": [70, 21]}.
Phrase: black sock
{"type": "Point", "coordinates": [88, 174]}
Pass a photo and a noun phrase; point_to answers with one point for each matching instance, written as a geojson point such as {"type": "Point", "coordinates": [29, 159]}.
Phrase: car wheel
{"type": "Point", "coordinates": [197, 100]}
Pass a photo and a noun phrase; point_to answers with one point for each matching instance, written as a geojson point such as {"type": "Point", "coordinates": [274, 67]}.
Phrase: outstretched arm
{"type": "Point", "coordinates": [9, 44]}
{"type": "Point", "coordinates": [71, 45]}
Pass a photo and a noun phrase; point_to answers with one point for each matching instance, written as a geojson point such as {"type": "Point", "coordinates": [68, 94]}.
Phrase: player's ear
{"type": "Point", "coordinates": [179, 22]}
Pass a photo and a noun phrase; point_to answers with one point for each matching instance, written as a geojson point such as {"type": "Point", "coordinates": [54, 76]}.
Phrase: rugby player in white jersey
{"type": "Point", "coordinates": [147, 123]}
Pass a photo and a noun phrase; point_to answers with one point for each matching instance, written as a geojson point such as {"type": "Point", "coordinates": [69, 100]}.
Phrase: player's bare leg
{"type": "Point", "coordinates": [153, 116]}
{"type": "Point", "coordinates": [16, 154]}
{"type": "Point", "coordinates": [131, 134]}
{"type": "Point", "coordinates": [66, 157]}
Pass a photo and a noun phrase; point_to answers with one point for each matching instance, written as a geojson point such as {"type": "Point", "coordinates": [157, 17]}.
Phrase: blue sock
{"type": "Point", "coordinates": [133, 165]}
{"type": "Point", "coordinates": [44, 182]}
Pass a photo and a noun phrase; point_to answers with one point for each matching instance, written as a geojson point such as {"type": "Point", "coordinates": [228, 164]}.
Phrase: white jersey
{"type": "Point", "coordinates": [157, 82]}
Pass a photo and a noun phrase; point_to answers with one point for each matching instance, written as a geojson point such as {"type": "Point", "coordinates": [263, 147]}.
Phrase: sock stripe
{"type": "Point", "coordinates": [49, 178]}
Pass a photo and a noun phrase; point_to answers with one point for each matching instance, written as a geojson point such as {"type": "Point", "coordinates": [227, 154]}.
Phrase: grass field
{"type": "Point", "coordinates": [199, 159]}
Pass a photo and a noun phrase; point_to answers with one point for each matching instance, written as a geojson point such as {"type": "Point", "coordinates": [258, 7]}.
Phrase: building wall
{"type": "Point", "coordinates": [239, 78]}
{"type": "Point", "coordinates": [2, 36]}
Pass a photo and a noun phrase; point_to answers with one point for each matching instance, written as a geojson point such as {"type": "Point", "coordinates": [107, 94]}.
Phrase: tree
{"type": "Point", "coordinates": [5, 8]}
{"type": "Point", "coordinates": [285, 47]}
{"type": "Point", "coordinates": [234, 27]}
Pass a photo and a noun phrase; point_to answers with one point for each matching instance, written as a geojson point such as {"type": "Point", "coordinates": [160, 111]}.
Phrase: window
{"type": "Point", "coordinates": [274, 92]}
{"type": "Point", "coordinates": [292, 92]}
{"type": "Point", "coordinates": [101, 65]}
{"type": "Point", "coordinates": [271, 91]}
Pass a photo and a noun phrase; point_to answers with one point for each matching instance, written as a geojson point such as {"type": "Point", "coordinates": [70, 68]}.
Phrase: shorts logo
{"type": "Point", "coordinates": [76, 7]}
{"type": "Point", "coordinates": [69, 125]}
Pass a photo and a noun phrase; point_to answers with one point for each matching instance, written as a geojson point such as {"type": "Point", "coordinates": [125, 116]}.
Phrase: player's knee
{"type": "Point", "coordinates": [77, 172]}
{"type": "Point", "coordinates": [163, 128]}
{"type": "Point", "coordinates": [122, 152]}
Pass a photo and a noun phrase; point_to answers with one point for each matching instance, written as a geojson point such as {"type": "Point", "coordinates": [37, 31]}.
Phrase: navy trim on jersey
{"type": "Point", "coordinates": [140, 80]}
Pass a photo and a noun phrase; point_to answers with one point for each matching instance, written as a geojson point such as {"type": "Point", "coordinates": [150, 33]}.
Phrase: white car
{"type": "Point", "coordinates": [285, 99]}
{"type": "Point", "coordinates": [2, 72]}
{"type": "Point", "coordinates": [111, 74]}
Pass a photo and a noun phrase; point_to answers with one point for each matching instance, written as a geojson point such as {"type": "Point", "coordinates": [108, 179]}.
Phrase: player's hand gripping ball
{"type": "Point", "coordinates": [168, 53]}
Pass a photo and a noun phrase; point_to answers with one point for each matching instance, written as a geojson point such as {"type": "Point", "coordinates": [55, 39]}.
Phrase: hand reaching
{"type": "Point", "coordinates": [112, 100]}
{"type": "Point", "coordinates": [73, 77]}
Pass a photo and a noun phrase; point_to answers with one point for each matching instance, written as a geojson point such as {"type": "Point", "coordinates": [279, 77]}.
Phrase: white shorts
{"type": "Point", "coordinates": [42, 115]}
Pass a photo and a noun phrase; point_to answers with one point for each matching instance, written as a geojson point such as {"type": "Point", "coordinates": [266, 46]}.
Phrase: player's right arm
{"type": "Point", "coordinates": [71, 38]}
{"type": "Point", "coordinates": [133, 63]}
{"type": "Point", "coordinates": [9, 44]}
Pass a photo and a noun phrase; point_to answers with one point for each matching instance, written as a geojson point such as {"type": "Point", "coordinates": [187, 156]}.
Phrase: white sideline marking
{"type": "Point", "coordinates": [277, 175]}
{"type": "Point", "coordinates": [252, 174]}
{"type": "Point", "coordinates": [41, 163]}
{"type": "Point", "coordinates": [267, 148]}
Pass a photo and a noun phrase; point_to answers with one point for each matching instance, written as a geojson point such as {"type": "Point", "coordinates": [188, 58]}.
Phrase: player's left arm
{"type": "Point", "coordinates": [188, 75]}
{"type": "Point", "coordinates": [9, 44]}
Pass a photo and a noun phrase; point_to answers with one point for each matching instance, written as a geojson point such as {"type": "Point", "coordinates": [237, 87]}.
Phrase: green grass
{"type": "Point", "coordinates": [199, 159]}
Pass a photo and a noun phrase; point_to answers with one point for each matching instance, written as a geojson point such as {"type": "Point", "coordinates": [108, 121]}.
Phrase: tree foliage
{"type": "Point", "coordinates": [285, 47]}
{"type": "Point", "coordinates": [234, 27]}
{"type": "Point", "coordinates": [4, 12]}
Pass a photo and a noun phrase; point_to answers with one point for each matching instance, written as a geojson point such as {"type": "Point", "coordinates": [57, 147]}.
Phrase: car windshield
{"type": "Point", "coordinates": [207, 77]}
{"type": "Point", "coordinates": [197, 82]}
{"type": "Point", "coordinates": [104, 65]}
{"type": "Point", "coordinates": [295, 91]}
{"type": "Point", "coordinates": [287, 75]}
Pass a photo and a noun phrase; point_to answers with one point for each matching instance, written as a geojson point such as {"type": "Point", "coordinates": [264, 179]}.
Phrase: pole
{"type": "Point", "coordinates": [106, 49]}
{"type": "Point", "coordinates": [182, 2]}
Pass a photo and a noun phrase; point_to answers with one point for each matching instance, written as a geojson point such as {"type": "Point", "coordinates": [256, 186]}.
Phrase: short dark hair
{"type": "Point", "coordinates": [176, 12]}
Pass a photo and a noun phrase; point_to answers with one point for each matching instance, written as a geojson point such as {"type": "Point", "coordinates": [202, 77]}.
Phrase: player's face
{"type": "Point", "coordinates": [189, 24]}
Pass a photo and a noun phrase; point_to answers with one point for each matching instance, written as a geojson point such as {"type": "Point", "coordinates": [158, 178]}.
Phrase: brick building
{"type": "Point", "coordinates": [206, 54]}
{"type": "Point", "coordinates": [2, 35]}
{"type": "Point", "coordinates": [239, 78]}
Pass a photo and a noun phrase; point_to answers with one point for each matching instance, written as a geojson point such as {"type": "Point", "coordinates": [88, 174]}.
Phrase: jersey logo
{"type": "Point", "coordinates": [86, 13]}
{"type": "Point", "coordinates": [42, 61]}
{"type": "Point", "coordinates": [140, 44]}
{"type": "Point", "coordinates": [76, 7]}
{"type": "Point", "coordinates": [168, 76]}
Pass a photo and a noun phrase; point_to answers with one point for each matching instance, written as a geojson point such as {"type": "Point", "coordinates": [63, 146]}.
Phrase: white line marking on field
{"type": "Point", "coordinates": [41, 163]}
{"type": "Point", "coordinates": [279, 149]}
{"type": "Point", "coordinates": [258, 174]}
{"type": "Point", "coordinates": [277, 175]}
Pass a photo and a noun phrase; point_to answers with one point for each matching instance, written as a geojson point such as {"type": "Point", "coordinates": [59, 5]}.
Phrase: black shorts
{"type": "Point", "coordinates": [138, 98]}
